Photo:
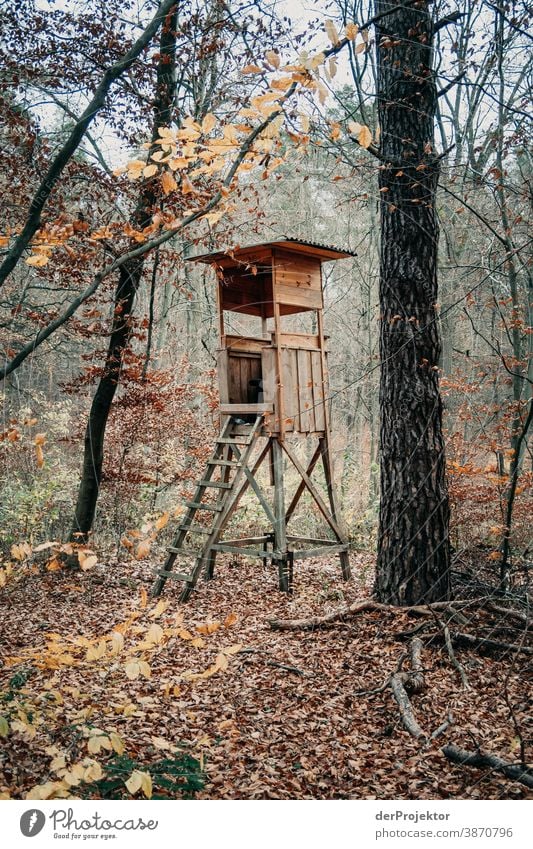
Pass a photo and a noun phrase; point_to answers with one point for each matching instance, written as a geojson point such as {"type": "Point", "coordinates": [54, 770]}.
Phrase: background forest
{"type": "Point", "coordinates": [87, 111]}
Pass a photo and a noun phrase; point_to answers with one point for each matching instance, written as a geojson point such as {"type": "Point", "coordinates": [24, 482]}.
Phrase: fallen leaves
{"type": "Point", "coordinates": [140, 781]}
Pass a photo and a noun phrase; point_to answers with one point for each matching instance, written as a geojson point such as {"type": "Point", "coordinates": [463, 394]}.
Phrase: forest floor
{"type": "Point", "coordinates": [270, 714]}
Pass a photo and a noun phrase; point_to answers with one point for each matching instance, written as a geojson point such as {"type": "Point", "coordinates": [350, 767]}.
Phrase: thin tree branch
{"type": "Point", "coordinates": [60, 161]}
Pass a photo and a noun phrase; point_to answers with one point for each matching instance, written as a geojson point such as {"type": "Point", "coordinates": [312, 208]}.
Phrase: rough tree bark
{"type": "Point", "coordinates": [413, 548]}
{"type": "Point", "coordinates": [129, 278]}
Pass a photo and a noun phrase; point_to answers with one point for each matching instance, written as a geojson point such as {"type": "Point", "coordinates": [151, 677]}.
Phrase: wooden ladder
{"type": "Point", "coordinates": [233, 465]}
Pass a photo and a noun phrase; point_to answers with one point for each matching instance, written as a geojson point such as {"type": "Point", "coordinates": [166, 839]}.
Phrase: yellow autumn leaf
{"type": "Point", "coordinates": [160, 608]}
{"type": "Point", "coordinates": [168, 182]}
{"type": "Point", "coordinates": [4, 727]}
{"type": "Point", "coordinates": [39, 439]}
{"type": "Point", "coordinates": [235, 649]}
{"type": "Point", "coordinates": [251, 69]}
{"type": "Point", "coordinates": [144, 669]}
{"type": "Point", "coordinates": [37, 260]}
{"type": "Point", "coordinates": [154, 633]}
{"type": "Point", "coordinates": [132, 670]}
{"type": "Point", "coordinates": [94, 744]}
{"type": "Point", "coordinates": [134, 782]}
{"type": "Point", "coordinates": [331, 31]}
{"type": "Point", "coordinates": [209, 123]}
{"type": "Point", "coordinates": [186, 185]}
{"type": "Point", "coordinates": [93, 771]}
{"type": "Point", "coordinates": [273, 58]}
{"type": "Point", "coordinates": [144, 598]}
{"type": "Point", "coordinates": [59, 762]}
{"type": "Point", "coordinates": [221, 662]}
{"type": "Point", "coordinates": [150, 170]}
{"type": "Point", "coordinates": [146, 784]}
{"type": "Point", "coordinates": [365, 137]}
{"type": "Point", "coordinates": [117, 643]}
{"type": "Point", "coordinates": [161, 743]}
{"type": "Point", "coordinates": [351, 31]}
{"type": "Point", "coordinates": [117, 743]}
{"type": "Point", "coordinates": [88, 562]}
{"type": "Point", "coordinates": [198, 643]}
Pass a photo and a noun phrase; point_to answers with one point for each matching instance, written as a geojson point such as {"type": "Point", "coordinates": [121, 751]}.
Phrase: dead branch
{"type": "Point", "coordinates": [480, 643]}
{"type": "Point", "coordinates": [276, 663]}
{"type": "Point", "coordinates": [481, 760]}
{"type": "Point", "coordinates": [508, 612]}
{"type": "Point", "coordinates": [451, 653]}
{"type": "Point", "coordinates": [358, 607]}
{"type": "Point", "coordinates": [402, 682]}
{"type": "Point", "coordinates": [442, 728]}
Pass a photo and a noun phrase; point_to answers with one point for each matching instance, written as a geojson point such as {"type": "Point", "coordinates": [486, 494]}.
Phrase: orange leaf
{"type": "Point", "coordinates": [143, 549]}
{"type": "Point", "coordinates": [40, 456]}
{"type": "Point", "coordinates": [168, 182]}
{"type": "Point", "coordinates": [230, 620]}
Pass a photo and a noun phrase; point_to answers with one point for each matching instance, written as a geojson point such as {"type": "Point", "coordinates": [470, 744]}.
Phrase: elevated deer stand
{"type": "Point", "coordinates": [271, 386]}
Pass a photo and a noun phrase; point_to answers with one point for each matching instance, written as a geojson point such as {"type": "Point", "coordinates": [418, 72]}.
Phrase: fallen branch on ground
{"type": "Point", "coordinates": [478, 642]}
{"type": "Point", "coordinates": [404, 683]}
{"type": "Point", "coordinates": [485, 761]}
{"type": "Point", "coordinates": [359, 607]}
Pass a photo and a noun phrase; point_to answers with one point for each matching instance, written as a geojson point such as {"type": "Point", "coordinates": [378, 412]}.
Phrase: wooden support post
{"type": "Point", "coordinates": [280, 533]}
{"type": "Point", "coordinates": [344, 557]}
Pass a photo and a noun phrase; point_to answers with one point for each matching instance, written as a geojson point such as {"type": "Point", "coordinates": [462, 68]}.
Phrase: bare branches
{"type": "Point", "coordinates": [62, 158]}
{"type": "Point", "coordinates": [452, 18]}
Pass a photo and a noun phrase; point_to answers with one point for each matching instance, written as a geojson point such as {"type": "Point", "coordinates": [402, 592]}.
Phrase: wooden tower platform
{"type": "Point", "coordinates": [273, 390]}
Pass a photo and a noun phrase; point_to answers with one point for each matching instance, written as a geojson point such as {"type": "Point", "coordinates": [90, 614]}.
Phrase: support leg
{"type": "Point", "coordinates": [344, 557]}
{"type": "Point", "coordinates": [280, 529]}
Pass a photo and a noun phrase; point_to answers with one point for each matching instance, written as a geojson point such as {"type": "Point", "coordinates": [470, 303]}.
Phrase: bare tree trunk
{"type": "Point", "coordinates": [128, 283]}
{"type": "Point", "coordinates": [413, 547]}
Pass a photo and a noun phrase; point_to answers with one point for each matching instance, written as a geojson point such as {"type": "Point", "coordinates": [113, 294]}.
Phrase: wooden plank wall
{"type": "Point", "coordinates": [303, 389]}
{"type": "Point", "coordinates": [297, 281]}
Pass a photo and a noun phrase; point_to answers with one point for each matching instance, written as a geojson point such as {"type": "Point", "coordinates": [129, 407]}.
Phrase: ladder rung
{"type": "Point", "coordinates": [176, 576]}
{"type": "Point", "coordinates": [185, 552]}
{"type": "Point", "coordinates": [216, 484]}
{"type": "Point", "coordinates": [195, 529]}
{"type": "Point", "coordinates": [227, 441]}
{"type": "Point", "coordinates": [198, 505]}
{"type": "Point", "coordinates": [222, 463]}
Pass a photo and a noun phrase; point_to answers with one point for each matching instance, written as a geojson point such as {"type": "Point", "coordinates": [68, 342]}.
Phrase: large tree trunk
{"type": "Point", "coordinates": [128, 283]}
{"type": "Point", "coordinates": [413, 548]}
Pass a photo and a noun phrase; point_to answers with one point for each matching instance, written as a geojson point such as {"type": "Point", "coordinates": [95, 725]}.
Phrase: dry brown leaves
{"type": "Point", "coordinates": [279, 719]}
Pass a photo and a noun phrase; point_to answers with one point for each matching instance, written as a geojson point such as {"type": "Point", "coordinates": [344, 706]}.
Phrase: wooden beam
{"type": "Point", "coordinates": [314, 492]}
{"type": "Point", "coordinates": [235, 409]}
{"type": "Point", "coordinates": [318, 552]}
{"type": "Point", "coordinates": [301, 486]}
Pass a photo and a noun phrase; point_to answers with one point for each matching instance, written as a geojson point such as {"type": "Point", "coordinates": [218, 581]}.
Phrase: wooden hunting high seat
{"type": "Point", "coordinates": [272, 385]}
